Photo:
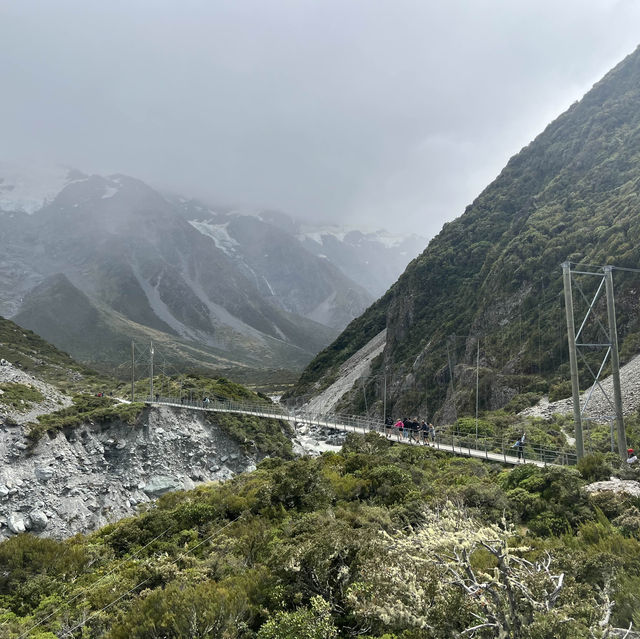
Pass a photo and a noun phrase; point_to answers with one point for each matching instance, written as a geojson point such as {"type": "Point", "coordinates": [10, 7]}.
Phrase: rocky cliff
{"type": "Point", "coordinates": [80, 478]}
{"type": "Point", "coordinates": [85, 475]}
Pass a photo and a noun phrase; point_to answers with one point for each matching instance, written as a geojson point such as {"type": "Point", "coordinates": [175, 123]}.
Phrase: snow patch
{"type": "Point", "coordinates": [218, 233]}
{"type": "Point", "coordinates": [266, 281]}
{"type": "Point", "coordinates": [109, 191]}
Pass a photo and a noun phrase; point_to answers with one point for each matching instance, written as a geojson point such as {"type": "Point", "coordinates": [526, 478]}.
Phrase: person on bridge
{"type": "Point", "coordinates": [388, 425]}
{"type": "Point", "coordinates": [414, 428]}
{"type": "Point", "coordinates": [399, 425]}
{"type": "Point", "coordinates": [519, 445]}
{"type": "Point", "coordinates": [424, 432]}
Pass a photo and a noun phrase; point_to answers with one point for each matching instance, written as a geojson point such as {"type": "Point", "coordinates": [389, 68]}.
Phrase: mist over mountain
{"type": "Point", "coordinates": [91, 261]}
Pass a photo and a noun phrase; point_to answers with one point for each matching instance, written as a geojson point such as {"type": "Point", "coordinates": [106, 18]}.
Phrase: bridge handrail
{"type": "Point", "coordinates": [446, 437]}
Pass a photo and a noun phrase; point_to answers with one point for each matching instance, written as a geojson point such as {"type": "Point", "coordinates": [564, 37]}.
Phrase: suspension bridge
{"type": "Point", "coordinates": [448, 439]}
{"type": "Point", "coordinates": [471, 444]}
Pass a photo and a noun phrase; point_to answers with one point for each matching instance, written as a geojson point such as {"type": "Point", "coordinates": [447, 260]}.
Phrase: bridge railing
{"type": "Point", "coordinates": [446, 438]}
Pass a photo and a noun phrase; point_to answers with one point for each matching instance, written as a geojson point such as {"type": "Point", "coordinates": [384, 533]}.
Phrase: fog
{"type": "Point", "coordinates": [391, 113]}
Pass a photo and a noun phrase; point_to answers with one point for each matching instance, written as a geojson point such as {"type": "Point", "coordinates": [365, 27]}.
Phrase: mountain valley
{"type": "Point", "coordinates": [108, 259]}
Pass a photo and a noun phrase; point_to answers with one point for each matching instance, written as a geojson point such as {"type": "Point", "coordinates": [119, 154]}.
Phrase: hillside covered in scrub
{"type": "Point", "coordinates": [493, 275]}
{"type": "Point", "coordinates": [27, 351]}
{"type": "Point", "coordinates": [76, 454]}
{"type": "Point", "coordinates": [377, 541]}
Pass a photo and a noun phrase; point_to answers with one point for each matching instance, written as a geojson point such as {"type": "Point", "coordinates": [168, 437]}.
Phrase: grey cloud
{"type": "Point", "coordinates": [379, 112]}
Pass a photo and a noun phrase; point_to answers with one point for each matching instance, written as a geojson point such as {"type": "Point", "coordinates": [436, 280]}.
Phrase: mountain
{"type": "Point", "coordinates": [92, 261]}
{"type": "Point", "coordinates": [28, 188]}
{"type": "Point", "coordinates": [373, 259]}
{"type": "Point", "coordinates": [492, 277]}
{"type": "Point", "coordinates": [281, 268]}
{"type": "Point", "coordinates": [109, 258]}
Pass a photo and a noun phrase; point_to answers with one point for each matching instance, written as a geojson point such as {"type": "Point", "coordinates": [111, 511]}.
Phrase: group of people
{"type": "Point", "coordinates": [414, 430]}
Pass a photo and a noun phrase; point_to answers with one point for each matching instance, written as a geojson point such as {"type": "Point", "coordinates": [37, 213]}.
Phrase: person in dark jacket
{"type": "Point", "coordinates": [424, 432]}
{"type": "Point", "coordinates": [519, 446]}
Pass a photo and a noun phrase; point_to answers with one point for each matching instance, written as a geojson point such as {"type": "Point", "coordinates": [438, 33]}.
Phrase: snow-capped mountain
{"type": "Point", "coordinates": [373, 259]}
{"type": "Point", "coordinates": [28, 188]}
{"type": "Point", "coordinates": [107, 258]}
{"type": "Point", "coordinates": [284, 271]}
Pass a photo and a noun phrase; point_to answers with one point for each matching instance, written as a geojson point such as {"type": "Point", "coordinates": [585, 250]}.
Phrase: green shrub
{"type": "Point", "coordinates": [595, 467]}
{"type": "Point", "coordinates": [547, 524]}
{"type": "Point", "coordinates": [487, 499]}
{"type": "Point", "coordinates": [85, 409]}
{"type": "Point", "coordinates": [262, 434]}
{"type": "Point", "coordinates": [19, 396]}
{"type": "Point", "coordinates": [559, 391]}
{"type": "Point", "coordinates": [207, 609]}
{"type": "Point", "coordinates": [305, 623]}
{"type": "Point", "coordinates": [522, 401]}
{"type": "Point", "coordinates": [629, 522]}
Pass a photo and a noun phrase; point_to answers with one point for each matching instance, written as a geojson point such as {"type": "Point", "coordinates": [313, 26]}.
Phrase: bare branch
{"type": "Point", "coordinates": [482, 625]}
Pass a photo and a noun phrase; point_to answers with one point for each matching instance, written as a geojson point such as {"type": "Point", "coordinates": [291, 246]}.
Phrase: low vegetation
{"type": "Point", "coordinates": [19, 396]}
{"type": "Point", "coordinates": [378, 541]}
{"type": "Point", "coordinates": [29, 352]}
{"type": "Point", "coordinates": [195, 387]}
{"type": "Point", "coordinates": [267, 436]}
{"type": "Point", "coordinates": [85, 409]}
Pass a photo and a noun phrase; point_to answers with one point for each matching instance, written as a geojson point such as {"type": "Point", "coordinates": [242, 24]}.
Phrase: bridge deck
{"type": "Point", "coordinates": [334, 423]}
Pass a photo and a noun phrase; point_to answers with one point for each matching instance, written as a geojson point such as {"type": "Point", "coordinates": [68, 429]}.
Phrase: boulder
{"type": "Point", "coordinates": [44, 473]}
{"type": "Point", "coordinates": [39, 520]}
{"type": "Point", "coordinates": [16, 523]}
{"type": "Point", "coordinates": [161, 484]}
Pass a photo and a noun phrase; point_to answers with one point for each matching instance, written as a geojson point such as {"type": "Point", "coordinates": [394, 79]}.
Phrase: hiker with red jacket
{"type": "Point", "coordinates": [399, 425]}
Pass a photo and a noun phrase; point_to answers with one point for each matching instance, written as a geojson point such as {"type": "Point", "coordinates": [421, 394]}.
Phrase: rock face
{"type": "Point", "coordinates": [86, 477]}
{"type": "Point", "coordinates": [628, 486]}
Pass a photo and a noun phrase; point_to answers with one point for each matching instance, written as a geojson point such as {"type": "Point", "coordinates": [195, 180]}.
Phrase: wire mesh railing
{"type": "Point", "coordinates": [447, 438]}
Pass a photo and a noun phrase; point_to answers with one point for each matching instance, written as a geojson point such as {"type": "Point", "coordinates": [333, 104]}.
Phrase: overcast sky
{"type": "Point", "coordinates": [390, 113]}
